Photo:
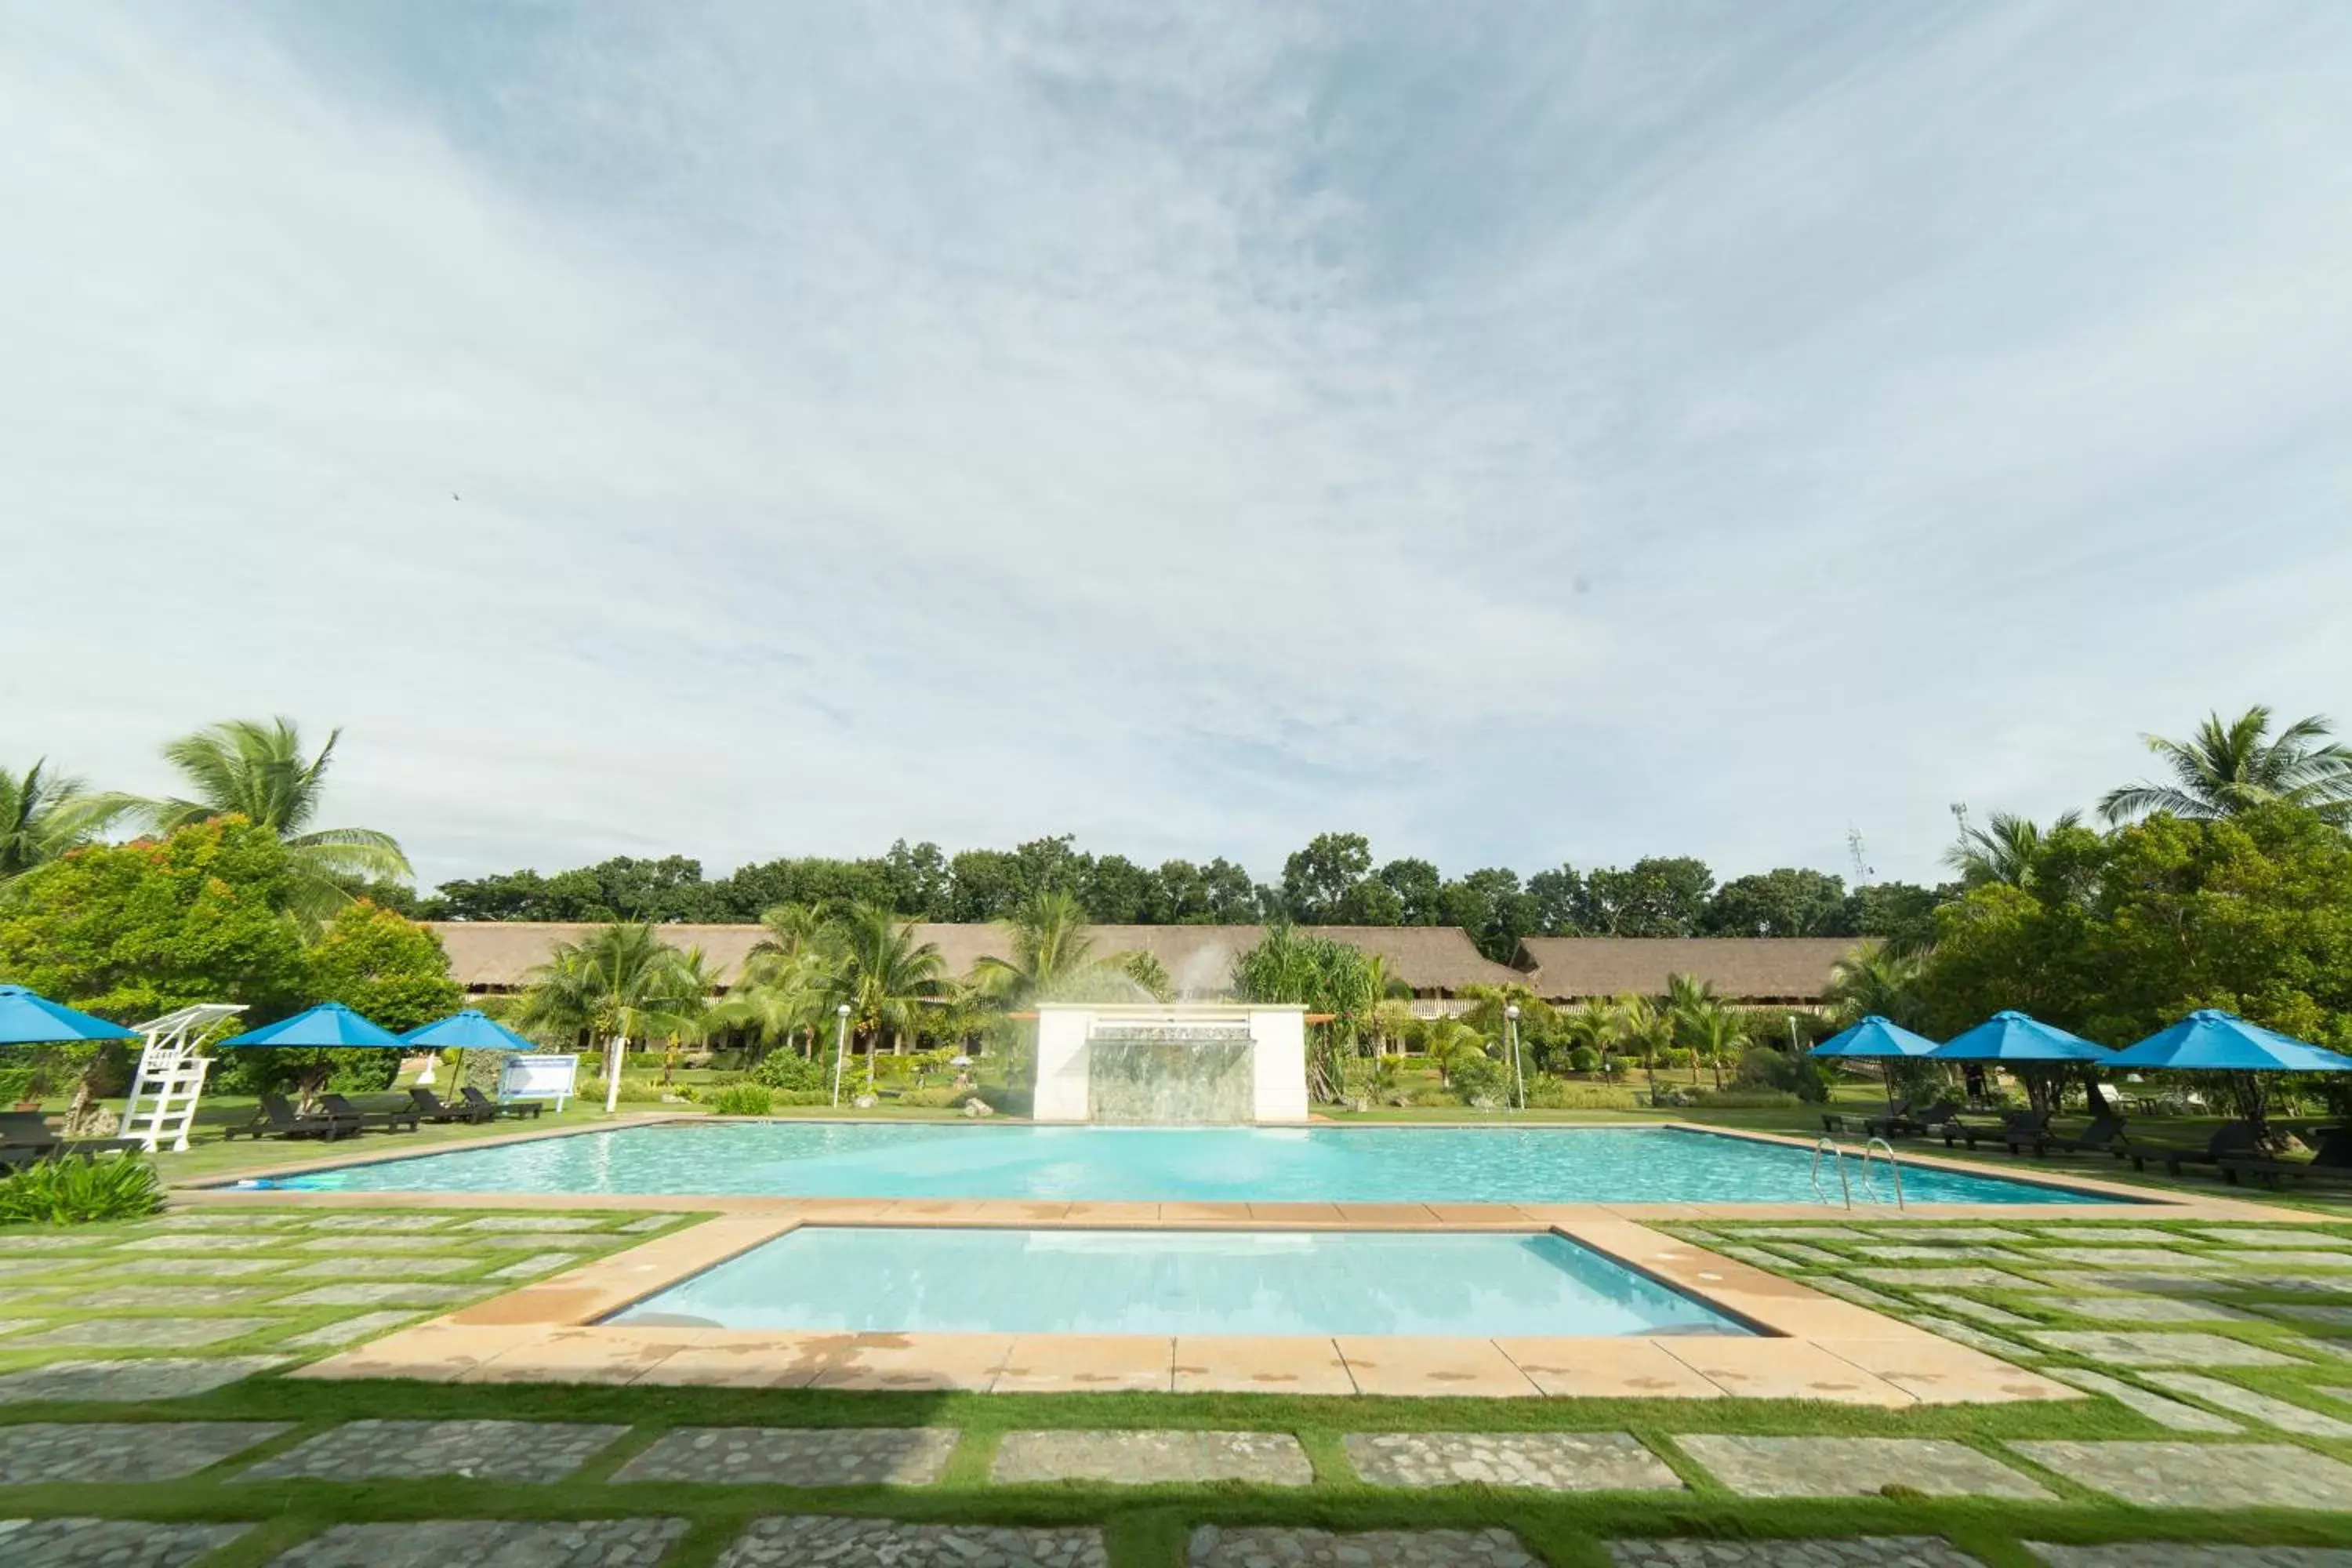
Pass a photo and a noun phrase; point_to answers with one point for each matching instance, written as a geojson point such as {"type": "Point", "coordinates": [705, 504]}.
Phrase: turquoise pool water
{"type": "Point", "coordinates": [1239, 1164]}
{"type": "Point", "coordinates": [875, 1279]}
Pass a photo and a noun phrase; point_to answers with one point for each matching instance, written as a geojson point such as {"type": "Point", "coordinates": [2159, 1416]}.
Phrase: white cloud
{"type": "Point", "coordinates": [1574, 435]}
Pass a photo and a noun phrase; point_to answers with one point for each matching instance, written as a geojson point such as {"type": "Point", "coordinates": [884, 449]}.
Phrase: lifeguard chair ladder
{"type": "Point", "coordinates": [170, 1081]}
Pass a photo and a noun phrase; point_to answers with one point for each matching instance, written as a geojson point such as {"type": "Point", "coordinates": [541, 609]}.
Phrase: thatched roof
{"type": "Point", "coordinates": [494, 955]}
{"type": "Point", "coordinates": [1743, 969]}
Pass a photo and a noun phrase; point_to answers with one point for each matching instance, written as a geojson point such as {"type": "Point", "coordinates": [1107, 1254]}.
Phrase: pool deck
{"type": "Point", "coordinates": [1809, 1346]}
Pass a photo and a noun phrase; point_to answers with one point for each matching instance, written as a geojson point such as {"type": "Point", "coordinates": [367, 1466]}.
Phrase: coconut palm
{"type": "Point", "coordinates": [886, 976]}
{"type": "Point", "coordinates": [1449, 1042]}
{"type": "Point", "coordinates": [1871, 980]}
{"type": "Point", "coordinates": [690, 1009]}
{"type": "Point", "coordinates": [258, 772]}
{"type": "Point", "coordinates": [1591, 1024]}
{"type": "Point", "coordinates": [778, 997]}
{"type": "Point", "coordinates": [1052, 954]}
{"type": "Point", "coordinates": [2003, 849]}
{"type": "Point", "coordinates": [618, 984]}
{"type": "Point", "coordinates": [1646, 1029]}
{"type": "Point", "coordinates": [2227, 768]}
{"type": "Point", "coordinates": [1688, 999]}
{"type": "Point", "coordinates": [42, 815]}
{"type": "Point", "coordinates": [1715, 1032]}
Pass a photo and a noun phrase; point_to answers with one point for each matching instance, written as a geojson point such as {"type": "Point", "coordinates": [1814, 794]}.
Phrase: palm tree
{"type": "Point", "coordinates": [1715, 1032]}
{"type": "Point", "coordinates": [887, 975]}
{"type": "Point", "coordinates": [2225, 769]}
{"type": "Point", "coordinates": [258, 772]}
{"type": "Point", "coordinates": [1648, 1028]}
{"type": "Point", "coordinates": [690, 1010]}
{"type": "Point", "coordinates": [2003, 849]}
{"type": "Point", "coordinates": [1872, 980]}
{"type": "Point", "coordinates": [1448, 1042]}
{"type": "Point", "coordinates": [1687, 1000]}
{"type": "Point", "coordinates": [1053, 953]}
{"type": "Point", "coordinates": [779, 997]}
{"type": "Point", "coordinates": [619, 983]}
{"type": "Point", "coordinates": [42, 815]}
{"type": "Point", "coordinates": [1592, 1025]}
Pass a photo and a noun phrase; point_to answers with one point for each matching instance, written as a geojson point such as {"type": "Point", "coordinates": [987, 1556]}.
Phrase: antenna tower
{"type": "Point", "coordinates": [1862, 869]}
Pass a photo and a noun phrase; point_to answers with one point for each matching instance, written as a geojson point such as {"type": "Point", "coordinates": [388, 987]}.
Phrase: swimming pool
{"type": "Point", "coordinates": [873, 1280]}
{"type": "Point", "coordinates": [1231, 1165]}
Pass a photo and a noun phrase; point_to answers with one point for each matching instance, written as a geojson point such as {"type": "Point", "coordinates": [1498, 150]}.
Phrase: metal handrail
{"type": "Point", "coordinates": [1893, 1169]}
{"type": "Point", "coordinates": [1829, 1146]}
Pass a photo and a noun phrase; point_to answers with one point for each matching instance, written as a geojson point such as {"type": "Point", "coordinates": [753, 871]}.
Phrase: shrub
{"type": "Point", "coordinates": [1584, 1058]}
{"type": "Point", "coordinates": [1763, 1067]}
{"type": "Point", "coordinates": [1553, 1094]}
{"type": "Point", "coordinates": [790, 1069]}
{"type": "Point", "coordinates": [743, 1100]}
{"type": "Point", "coordinates": [80, 1192]}
{"type": "Point", "coordinates": [801, 1097]}
{"type": "Point", "coordinates": [1478, 1077]}
{"type": "Point", "coordinates": [1741, 1098]}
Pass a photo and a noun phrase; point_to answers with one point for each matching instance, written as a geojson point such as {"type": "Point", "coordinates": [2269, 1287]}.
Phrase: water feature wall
{"type": "Point", "coordinates": [1171, 1075]}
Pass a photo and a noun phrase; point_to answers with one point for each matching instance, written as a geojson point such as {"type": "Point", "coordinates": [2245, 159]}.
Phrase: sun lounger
{"type": "Point", "coordinates": [2105, 1135]}
{"type": "Point", "coordinates": [2331, 1162]}
{"type": "Point", "coordinates": [24, 1137]}
{"type": "Point", "coordinates": [392, 1119]}
{"type": "Point", "coordinates": [2231, 1140]}
{"type": "Point", "coordinates": [2013, 1125]}
{"type": "Point", "coordinates": [1904, 1123]}
{"type": "Point", "coordinates": [431, 1107]}
{"type": "Point", "coordinates": [276, 1117]}
{"type": "Point", "coordinates": [475, 1098]}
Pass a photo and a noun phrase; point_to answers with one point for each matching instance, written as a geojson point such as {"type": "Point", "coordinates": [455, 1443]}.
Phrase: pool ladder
{"type": "Point", "coordinates": [1875, 1149]}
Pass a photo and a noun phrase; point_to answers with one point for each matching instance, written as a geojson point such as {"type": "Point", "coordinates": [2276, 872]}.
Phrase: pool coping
{"type": "Point", "coordinates": [2130, 1201]}
{"type": "Point", "coordinates": [1810, 1345]}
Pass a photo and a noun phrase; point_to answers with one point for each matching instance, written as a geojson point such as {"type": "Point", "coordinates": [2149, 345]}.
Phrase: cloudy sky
{"type": "Point", "coordinates": [1520, 432]}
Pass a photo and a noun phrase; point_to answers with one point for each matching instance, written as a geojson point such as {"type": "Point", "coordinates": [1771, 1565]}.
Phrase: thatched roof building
{"type": "Point", "coordinates": [1788, 971]}
{"type": "Point", "coordinates": [1435, 961]}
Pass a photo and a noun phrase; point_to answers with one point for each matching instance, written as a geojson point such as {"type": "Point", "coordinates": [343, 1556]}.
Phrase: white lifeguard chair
{"type": "Point", "coordinates": [170, 1081]}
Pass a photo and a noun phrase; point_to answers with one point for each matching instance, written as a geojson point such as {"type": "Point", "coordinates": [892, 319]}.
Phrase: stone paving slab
{"type": "Point", "coordinates": [2124, 1349]}
{"type": "Point", "coordinates": [2131, 1257]}
{"type": "Point", "coordinates": [650, 1222]}
{"type": "Point", "coordinates": [9, 1325]}
{"type": "Point", "coordinates": [791, 1457]}
{"type": "Point", "coordinates": [2151, 1309]}
{"type": "Point", "coordinates": [2200, 1475]}
{"type": "Point", "coordinates": [113, 1296]}
{"type": "Point", "coordinates": [538, 1263]}
{"type": "Point", "coordinates": [109, 1542]}
{"type": "Point", "coordinates": [1257, 1546]}
{"type": "Point", "coordinates": [2111, 1235]}
{"type": "Point", "coordinates": [838, 1543]}
{"type": "Point", "coordinates": [30, 1241]}
{"type": "Point", "coordinates": [1938, 1231]}
{"type": "Point", "coordinates": [532, 1221]}
{"type": "Point", "coordinates": [380, 1294]}
{"type": "Point", "coordinates": [350, 1331]}
{"type": "Point", "coordinates": [1802, 1252]}
{"type": "Point", "coordinates": [1919, 1253]}
{"type": "Point", "coordinates": [378, 1223]}
{"type": "Point", "coordinates": [373, 1244]}
{"type": "Point", "coordinates": [1860, 1295]}
{"type": "Point", "coordinates": [203, 1241]}
{"type": "Point", "coordinates": [439, 1543]}
{"type": "Point", "coordinates": [86, 1452]}
{"type": "Point", "coordinates": [1794, 1233]}
{"type": "Point", "coordinates": [1554, 1461]}
{"type": "Point", "coordinates": [124, 1381]}
{"type": "Point", "coordinates": [2168, 1413]}
{"type": "Point", "coordinates": [1143, 1458]}
{"type": "Point", "coordinates": [2167, 1554]}
{"type": "Point", "coordinates": [146, 1333]}
{"type": "Point", "coordinates": [2279, 1413]}
{"type": "Point", "coordinates": [200, 1267]}
{"type": "Point", "coordinates": [1854, 1466]}
{"type": "Point", "coordinates": [1968, 1307]}
{"type": "Point", "coordinates": [1756, 1257]}
{"type": "Point", "coordinates": [2263, 1235]}
{"type": "Point", "coordinates": [2079, 1279]}
{"type": "Point", "coordinates": [2251, 1259]}
{"type": "Point", "coordinates": [536, 1451]}
{"type": "Point", "coordinates": [1946, 1279]}
{"type": "Point", "coordinates": [1862, 1552]}
{"type": "Point", "coordinates": [1975, 1339]}
{"type": "Point", "coordinates": [2327, 1317]}
{"type": "Point", "coordinates": [383, 1268]}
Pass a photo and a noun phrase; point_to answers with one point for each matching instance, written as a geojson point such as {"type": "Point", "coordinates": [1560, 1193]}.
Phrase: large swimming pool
{"type": "Point", "coordinates": [1229, 1164]}
{"type": "Point", "coordinates": [1176, 1282]}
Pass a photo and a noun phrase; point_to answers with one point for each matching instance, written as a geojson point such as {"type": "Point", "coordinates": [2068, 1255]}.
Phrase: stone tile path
{"type": "Point", "coordinates": [1554, 1461]}
{"type": "Point", "coordinates": [2164, 1412]}
{"type": "Point", "coordinates": [383, 1268]}
{"type": "Point", "coordinates": [2150, 1310]}
{"type": "Point", "coordinates": [531, 1267]}
{"type": "Point", "coordinates": [1863, 1552]}
{"type": "Point", "coordinates": [109, 1542]}
{"type": "Point", "coordinates": [1260, 1546]}
{"type": "Point", "coordinates": [2278, 1412]}
{"type": "Point", "coordinates": [145, 1333]}
{"type": "Point", "coordinates": [168, 1295]}
{"type": "Point", "coordinates": [1142, 1458]}
{"type": "Point", "coordinates": [1970, 1308]}
{"type": "Point", "coordinates": [2165, 1555]}
{"type": "Point", "coordinates": [595, 1544]}
{"type": "Point", "coordinates": [115, 1381]}
{"type": "Point", "coordinates": [384, 1295]}
{"type": "Point", "coordinates": [484, 1450]}
{"type": "Point", "coordinates": [838, 1543]}
{"type": "Point", "coordinates": [787, 1457]}
{"type": "Point", "coordinates": [1855, 1467]}
{"type": "Point", "coordinates": [2159, 1349]}
{"type": "Point", "coordinates": [2200, 1475]}
{"type": "Point", "coordinates": [531, 1222]}
{"type": "Point", "coordinates": [348, 1331]}
{"type": "Point", "coordinates": [104, 1451]}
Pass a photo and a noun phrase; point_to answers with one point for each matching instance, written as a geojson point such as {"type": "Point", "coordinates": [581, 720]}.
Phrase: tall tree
{"type": "Point", "coordinates": [2003, 849]}
{"type": "Point", "coordinates": [42, 815]}
{"type": "Point", "coordinates": [1054, 958]}
{"type": "Point", "coordinates": [619, 983]}
{"type": "Point", "coordinates": [1871, 980]}
{"type": "Point", "coordinates": [258, 772]}
{"type": "Point", "coordinates": [1316, 879]}
{"type": "Point", "coordinates": [2228, 767]}
{"type": "Point", "coordinates": [887, 976]}
{"type": "Point", "coordinates": [1656, 896]}
{"type": "Point", "coordinates": [1791, 900]}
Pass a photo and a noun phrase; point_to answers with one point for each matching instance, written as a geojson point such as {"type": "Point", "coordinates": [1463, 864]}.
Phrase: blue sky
{"type": "Point", "coordinates": [1522, 433]}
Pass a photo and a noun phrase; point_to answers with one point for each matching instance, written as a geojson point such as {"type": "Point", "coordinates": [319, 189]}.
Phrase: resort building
{"type": "Point", "coordinates": [1792, 972]}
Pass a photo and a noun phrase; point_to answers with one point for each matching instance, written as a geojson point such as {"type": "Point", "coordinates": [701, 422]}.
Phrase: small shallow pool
{"type": "Point", "coordinates": [1209, 1164]}
{"type": "Point", "coordinates": [881, 1281]}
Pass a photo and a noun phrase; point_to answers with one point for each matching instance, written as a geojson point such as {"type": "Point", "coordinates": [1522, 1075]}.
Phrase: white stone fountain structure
{"type": "Point", "coordinates": [1185, 1064]}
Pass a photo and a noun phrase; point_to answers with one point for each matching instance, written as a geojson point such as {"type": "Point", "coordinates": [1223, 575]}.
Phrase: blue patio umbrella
{"type": "Point", "coordinates": [330, 1023]}
{"type": "Point", "coordinates": [2012, 1037]}
{"type": "Point", "coordinates": [1876, 1036]}
{"type": "Point", "coordinates": [29, 1018]}
{"type": "Point", "coordinates": [471, 1030]}
{"type": "Point", "coordinates": [2209, 1040]}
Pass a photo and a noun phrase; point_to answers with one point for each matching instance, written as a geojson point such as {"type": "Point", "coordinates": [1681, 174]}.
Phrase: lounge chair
{"type": "Point", "coordinates": [392, 1119]}
{"type": "Point", "coordinates": [480, 1102]}
{"type": "Point", "coordinates": [24, 1137]}
{"type": "Point", "coordinates": [276, 1117]}
{"type": "Point", "coordinates": [2230, 1141]}
{"type": "Point", "coordinates": [2105, 1135]}
{"type": "Point", "coordinates": [1904, 1123]}
{"type": "Point", "coordinates": [2014, 1125]}
{"type": "Point", "coordinates": [431, 1107]}
{"type": "Point", "coordinates": [2331, 1162]}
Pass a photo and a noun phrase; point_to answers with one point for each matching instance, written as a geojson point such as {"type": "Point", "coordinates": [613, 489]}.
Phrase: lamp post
{"type": "Point", "coordinates": [1518, 1077]}
{"type": "Point", "coordinates": [840, 1045]}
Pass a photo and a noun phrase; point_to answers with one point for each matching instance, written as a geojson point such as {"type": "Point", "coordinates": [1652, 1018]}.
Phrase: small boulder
{"type": "Point", "coordinates": [977, 1107]}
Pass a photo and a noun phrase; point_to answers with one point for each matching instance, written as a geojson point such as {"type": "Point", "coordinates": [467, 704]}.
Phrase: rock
{"type": "Point", "coordinates": [866, 1102]}
{"type": "Point", "coordinates": [976, 1106]}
